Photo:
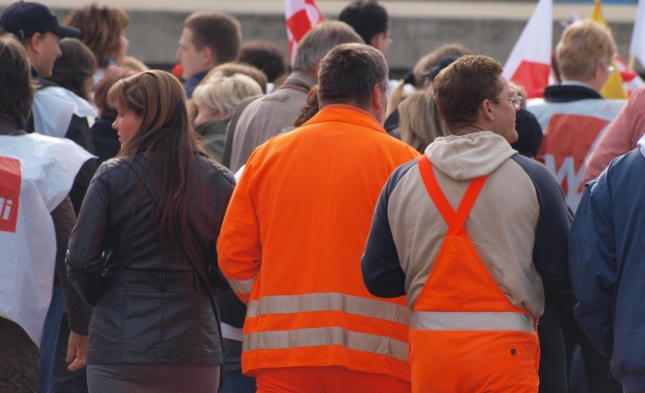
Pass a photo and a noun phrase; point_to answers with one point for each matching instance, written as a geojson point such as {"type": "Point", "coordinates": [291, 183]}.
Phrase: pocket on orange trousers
{"type": "Point", "coordinates": [513, 368]}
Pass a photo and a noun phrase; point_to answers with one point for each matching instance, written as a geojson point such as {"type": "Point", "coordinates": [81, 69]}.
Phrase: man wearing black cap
{"type": "Point", "coordinates": [56, 111]}
{"type": "Point", "coordinates": [37, 28]}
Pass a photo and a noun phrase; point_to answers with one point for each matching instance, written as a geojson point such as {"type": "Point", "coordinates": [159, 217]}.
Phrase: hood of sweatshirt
{"type": "Point", "coordinates": [641, 145]}
{"type": "Point", "coordinates": [465, 157]}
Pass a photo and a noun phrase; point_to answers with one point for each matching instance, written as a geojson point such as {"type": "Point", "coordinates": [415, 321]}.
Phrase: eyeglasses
{"type": "Point", "coordinates": [516, 101]}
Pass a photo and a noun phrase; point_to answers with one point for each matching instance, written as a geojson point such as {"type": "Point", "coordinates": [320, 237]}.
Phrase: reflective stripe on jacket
{"type": "Point", "coordinates": [291, 244]}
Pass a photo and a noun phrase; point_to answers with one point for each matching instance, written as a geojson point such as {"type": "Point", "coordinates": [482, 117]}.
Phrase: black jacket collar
{"type": "Point", "coordinates": [569, 93]}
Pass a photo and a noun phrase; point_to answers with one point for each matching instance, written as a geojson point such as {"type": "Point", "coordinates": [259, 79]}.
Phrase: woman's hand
{"type": "Point", "coordinates": [76, 348]}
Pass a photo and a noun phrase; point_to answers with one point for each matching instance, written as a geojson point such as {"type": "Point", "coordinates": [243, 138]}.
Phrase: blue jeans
{"type": "Point", "coordinates": [236, 382]}
{"type": "Point", "coordinates": [48, 342]}
{"type": "Point", "coordinates": [63, 380]}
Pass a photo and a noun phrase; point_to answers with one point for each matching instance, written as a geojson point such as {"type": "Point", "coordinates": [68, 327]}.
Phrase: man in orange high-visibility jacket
{"type": "Point", "coordinates": [293, 235]}
{"type": "Point", "coordinates": [474, 234]}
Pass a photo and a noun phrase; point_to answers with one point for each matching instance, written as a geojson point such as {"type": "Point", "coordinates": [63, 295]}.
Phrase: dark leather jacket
{"type": "Point", "coordinates": [151, 305]}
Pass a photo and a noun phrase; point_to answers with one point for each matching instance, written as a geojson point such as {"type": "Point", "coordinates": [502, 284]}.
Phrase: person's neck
{"type": "Point", "coordinates": [8, 124]}
{"type": "Point", "coordinates": [468, 129]}
{"type": "Point", "coordinates": [577, 83]}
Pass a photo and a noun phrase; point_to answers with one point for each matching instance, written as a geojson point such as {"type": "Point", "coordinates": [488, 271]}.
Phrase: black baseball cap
{"type": "Point", "coordinates": [443, 63]}
{"type": "Point", "coordinates": [25, 19]}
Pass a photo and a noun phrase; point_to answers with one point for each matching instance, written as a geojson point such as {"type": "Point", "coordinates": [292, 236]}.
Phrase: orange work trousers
{"type": "Point", "coordinates": [326, 379]}
{"type": "Point", "coordinates": [465, 334]}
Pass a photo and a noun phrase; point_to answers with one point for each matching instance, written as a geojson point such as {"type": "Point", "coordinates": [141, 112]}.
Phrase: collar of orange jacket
{"type": "Point", "coordinates": [347, 114]}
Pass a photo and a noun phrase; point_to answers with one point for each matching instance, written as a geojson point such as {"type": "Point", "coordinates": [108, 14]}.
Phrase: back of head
{"type": "Point", "coordinates": [424, 64]}
{"type": "Point", "coordinates": [420, 121]}
{"type": "Point", "coordinates": [461, 87]}
{"type": "Point", "coordinates": [218, 31]}
{"type": "Point", "coordinates": [74, 68]}
{"type": "Point", "coordinates": [169, 144]}
{"type": "Point", "coordinates": [222, 94]}
{"type": "Point", "coordinates": [101, 29]}
{"type": "Point", "coordinates": [366, 17]}
{"type": "Point", "coordinates": [349, 73]}
{"type": "Point", "coordinates": [432, 59]}
{"type": "Point", "coordinates": [265, 56]}
{"type": "Point", "coordinates": [229, 69]}
{"type": "Point", "coordinates": [583, 44]}
{"type": "Point", "coordinates": [134, 64]}
{"type": "Point", "coordinates": [319, 41]}
{"type": "Point", "coordinates": [112, 75]}
{"type": "Point", "coordinates": [16, 86]}
{"type": "Point", "coordinates": [529, 134]}
{"type": "Point", "coordinates": [159, 99]}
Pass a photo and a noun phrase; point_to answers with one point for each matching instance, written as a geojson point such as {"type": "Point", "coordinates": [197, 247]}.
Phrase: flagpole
{"type": "Point", "coordinates": [632, 62]}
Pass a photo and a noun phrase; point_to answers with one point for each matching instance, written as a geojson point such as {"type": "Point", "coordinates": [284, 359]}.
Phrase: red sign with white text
{"type": "Point", "coordinates": [10, 183]}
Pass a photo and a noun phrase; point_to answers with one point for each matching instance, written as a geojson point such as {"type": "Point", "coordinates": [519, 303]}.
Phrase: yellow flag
{"type": "Point", "coordinates": [613, 88]}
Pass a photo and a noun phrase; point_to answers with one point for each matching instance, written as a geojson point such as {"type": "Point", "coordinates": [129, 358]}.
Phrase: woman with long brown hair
{"type": "Point", "coordinates": [143, 251]}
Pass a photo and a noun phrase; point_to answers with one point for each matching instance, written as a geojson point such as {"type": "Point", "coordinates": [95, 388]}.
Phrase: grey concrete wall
{"type": "Point", "coordinates": [153, 34]}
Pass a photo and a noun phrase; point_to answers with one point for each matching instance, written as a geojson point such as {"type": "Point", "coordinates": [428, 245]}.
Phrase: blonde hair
{"type": "Point", "coordinates": [420, 121]}
{"type": "Point", "coordinates": [222, 94]}
{"type": "Point", "coordinates": [424, 64]}
{"type": "Point", "coordinates": [228, 69]}
{"type": "Point", "coordinates": [134, 64]}
{"type": "Point", "coordinates": [583, 44]}
{"type": "Point", "coordinates": [519, 91]}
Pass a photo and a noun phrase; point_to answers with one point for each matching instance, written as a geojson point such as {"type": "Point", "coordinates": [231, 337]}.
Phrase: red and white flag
{"type": "Point", "coordinates": [301, 16]}
{"type": "Point", "coordinates": [529, 64]}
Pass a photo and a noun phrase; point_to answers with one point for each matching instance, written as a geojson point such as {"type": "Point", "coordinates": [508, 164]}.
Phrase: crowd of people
{"type": "Point", "coordinates": [243, 225]}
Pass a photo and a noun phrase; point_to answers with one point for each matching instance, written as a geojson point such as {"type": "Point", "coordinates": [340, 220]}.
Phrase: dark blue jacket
{"type": "Point", "coordinates": [607, 266]}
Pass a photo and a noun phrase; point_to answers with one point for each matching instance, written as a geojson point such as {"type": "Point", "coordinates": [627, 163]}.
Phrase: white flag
{"type": "Point", "coordinates": [637, 46]}
{"type": "Point", "coordinates": [529, 64]}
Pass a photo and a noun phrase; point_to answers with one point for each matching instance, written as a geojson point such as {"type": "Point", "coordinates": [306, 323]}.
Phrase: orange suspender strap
{"type": "Point", "coordinates": [455, 220]}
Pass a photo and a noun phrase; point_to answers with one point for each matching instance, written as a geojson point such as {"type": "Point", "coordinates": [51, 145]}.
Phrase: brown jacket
{"type": "Point", "coordinates": [266, 117]}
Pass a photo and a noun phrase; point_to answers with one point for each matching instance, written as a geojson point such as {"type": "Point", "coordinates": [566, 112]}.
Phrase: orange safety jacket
{"type": "Point", "coordinates": [465, 335]}
{"type": "Point", "coordinates": [291, 245]}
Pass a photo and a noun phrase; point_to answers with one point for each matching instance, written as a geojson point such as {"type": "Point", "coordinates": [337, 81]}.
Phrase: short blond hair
{"type": "Point", "coordinates": [222, 94]}
{"type": "Point", "coordinates": [583, 44]}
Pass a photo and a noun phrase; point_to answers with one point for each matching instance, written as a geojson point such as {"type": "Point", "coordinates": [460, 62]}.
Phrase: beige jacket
{"type": "Point", "coordinates": [266, 117]}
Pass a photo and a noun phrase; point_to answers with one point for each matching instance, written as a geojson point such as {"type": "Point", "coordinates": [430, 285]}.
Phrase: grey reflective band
{"type": "Point", "coordinates": [244, 286]}
{"type": "Point", "coordinates": [472, 321]}
{"type": "Point", "coordinates": [298, 338]}
{"type": "Point", "coordinates": [329, 301]}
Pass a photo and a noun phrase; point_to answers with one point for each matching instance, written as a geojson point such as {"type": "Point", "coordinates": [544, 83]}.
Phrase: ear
{"type": "Point", "coordinates": [376, 40]}
{"type": "Point", "coordinates": [598, 69]}
{"type": "Point", "coordinates": [485, 109]}
{"type": "Point", "coordinates": [208, 56]}
{"type": "Point", "coordinates": [376, 98]}
{"type": "Point", "coordinates": [34, 43]}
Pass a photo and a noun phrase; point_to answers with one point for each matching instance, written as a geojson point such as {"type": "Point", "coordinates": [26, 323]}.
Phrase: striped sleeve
{"type": "Point", "coordinates": [382, 272]}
